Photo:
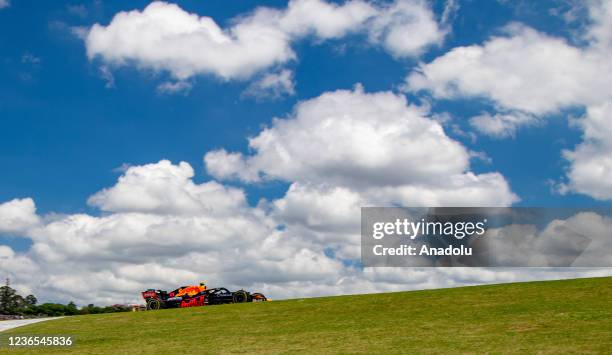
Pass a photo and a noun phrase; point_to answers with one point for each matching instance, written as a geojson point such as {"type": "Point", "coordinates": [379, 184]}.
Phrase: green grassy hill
{"type": "Point", "coordinates": [544, 317]}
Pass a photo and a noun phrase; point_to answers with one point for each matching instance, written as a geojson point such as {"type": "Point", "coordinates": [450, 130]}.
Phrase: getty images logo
{"type": "Point", "coordinates": [406, 228]}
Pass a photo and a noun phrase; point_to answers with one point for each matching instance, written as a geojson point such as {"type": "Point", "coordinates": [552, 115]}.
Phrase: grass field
{"type": "Point", "coordinates": [551, 317]}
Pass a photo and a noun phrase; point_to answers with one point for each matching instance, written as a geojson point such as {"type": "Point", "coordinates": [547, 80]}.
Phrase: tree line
{"type": "Point", "coordinates": [12, 303]}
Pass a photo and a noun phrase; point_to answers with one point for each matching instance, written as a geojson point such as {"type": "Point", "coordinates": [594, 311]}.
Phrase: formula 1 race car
{"type": "Point", "coordinates": [194, 296]}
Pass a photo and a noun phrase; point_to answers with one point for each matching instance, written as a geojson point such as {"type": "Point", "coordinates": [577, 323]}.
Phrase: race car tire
{"type": "Point", "coordinates": [240, 297]}
{"type": "Point", "coordinates": [153, 304]}
{"type": "Point", "coordinates": [258, 297]}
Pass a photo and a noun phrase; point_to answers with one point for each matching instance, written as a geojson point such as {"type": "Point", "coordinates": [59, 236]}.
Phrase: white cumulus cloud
{"type": "Point", "coordinates": [18, 215]}
{"type": "Point", "coordinates": [590, 171]}
{"type": "Point", "coordinates": [374, 143]}
{"type": "Point", "coordinates": [164, 37]}
{"type": "Point", "coordinates": [272, 86]}
{"type": "Point", "coordinates": [533, 75]}
{"type": "Point", "coordinates": [501, 125]}
{"type": "Point", "coordinates": [525, 70]}
{"type": "Point", "coordinates": [166, 188]}
{"type": "Point", "coordinates": [406, 28]}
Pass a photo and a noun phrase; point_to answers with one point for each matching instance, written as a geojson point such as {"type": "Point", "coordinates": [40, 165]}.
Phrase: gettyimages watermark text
{"type": "Point", "coordinates": [486, 237]}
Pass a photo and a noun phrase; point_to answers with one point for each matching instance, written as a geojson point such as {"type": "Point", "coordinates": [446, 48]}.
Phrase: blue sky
{"type": "Point", "coordinates": [66, 132]}
{"type": "Point", "coordinates": [63, 132]}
